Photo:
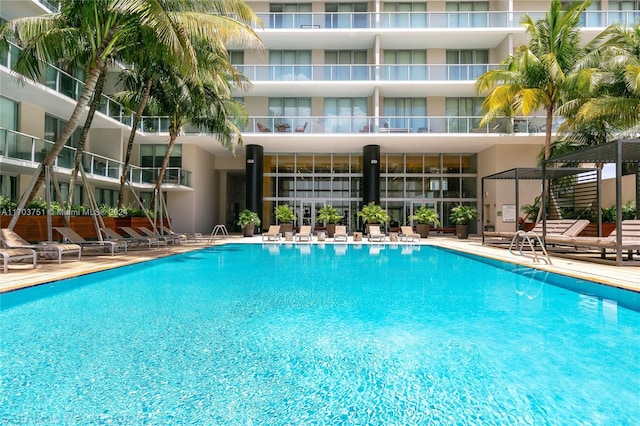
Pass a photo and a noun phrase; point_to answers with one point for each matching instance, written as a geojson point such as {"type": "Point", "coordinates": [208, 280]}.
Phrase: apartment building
{"type": "Point", "coordinates": [352, 102]}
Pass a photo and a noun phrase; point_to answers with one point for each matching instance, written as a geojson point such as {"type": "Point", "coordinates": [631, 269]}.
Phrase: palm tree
{"type": "Point", "coordinates": [534, 77]}
{"type": "Point", "coordinates": [615, 95]}
{"type": "Point", "coordinates": [207, 104]}
{"type": "Point", "coordinates": [104, 29]}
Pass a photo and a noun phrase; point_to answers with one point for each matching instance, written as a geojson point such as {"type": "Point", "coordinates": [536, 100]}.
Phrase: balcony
{"type": "Point", "coordinates": [433, 20]}
{"type": "Point", "coordinates": [396, 125]}
{"type": "Point", "coordinates": [315, 73]}
{"type": "Point", "coordinates": [67, 85]}
{"type": "Point", "coordinates": [29, 149]}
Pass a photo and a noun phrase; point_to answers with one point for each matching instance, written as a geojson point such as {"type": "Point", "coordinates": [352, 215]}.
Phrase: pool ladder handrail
{"type": "Point", "coordinates": [214, 233]}
{"type": "Point", "coordinates": [522, 237]}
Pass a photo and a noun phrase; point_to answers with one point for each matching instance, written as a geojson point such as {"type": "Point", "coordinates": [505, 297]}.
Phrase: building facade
{"type": "Point", "coordinates": [351, 102]}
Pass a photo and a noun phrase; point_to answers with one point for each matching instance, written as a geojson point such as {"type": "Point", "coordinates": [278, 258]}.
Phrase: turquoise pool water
{"type": "Point", "coordinates": [275, 334]}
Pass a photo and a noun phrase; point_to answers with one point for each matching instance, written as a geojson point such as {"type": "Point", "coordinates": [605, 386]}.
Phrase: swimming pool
{"type": "Point", "coordinates": [335, 334]}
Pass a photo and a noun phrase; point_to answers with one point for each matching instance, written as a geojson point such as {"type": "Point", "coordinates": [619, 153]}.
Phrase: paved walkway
{"type": "Point", "coordinates": [22, 275]}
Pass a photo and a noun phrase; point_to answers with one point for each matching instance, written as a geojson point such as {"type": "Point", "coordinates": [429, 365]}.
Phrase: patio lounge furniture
{"type": "Point", "coordinates": [48, 250]}
{"type": "Point", "coordinates": [71, 236]}
{"type": "Point", "coordinates": [486, 129]}
{"type": "Point", "coordinates": [302, 128]}
{"type": "Point", "coordinates": [340, 233]}
{"type": "Point", "coordinates": [375, 234]}
{"type": "Point", "coordinates": [407, 234]}
{"type": "Point", "coordinates": [170, 238]}
{"type": "Point", "coordinates": [151, 240]}
{"type": "Point", "coordinates": [630, 239]}
{"type": "Point", "coordinates": [16, 255]}
{"type": "Point", "coordinates": [193, 237]}
{"type": "Point", "coordinates": [305, 234]}
{"type": "Point", "coordinates": [566, 227]}
{"type": "Point", "coordinates": [112, 235]}
{"type": "Point", "coordinates": [272, 234]}
{"type": "Point", "coordinates": [262, 128]}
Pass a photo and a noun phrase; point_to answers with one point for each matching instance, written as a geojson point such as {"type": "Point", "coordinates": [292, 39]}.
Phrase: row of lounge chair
{"type": "Point", "coordinates": [340, 234]}
{"type": "Point", "coordinates": [14, 248]}
{"type": "Point", "coordinates": [562, 237]}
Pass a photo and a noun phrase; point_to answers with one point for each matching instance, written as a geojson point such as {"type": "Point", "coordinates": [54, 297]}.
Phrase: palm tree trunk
{"type": "Point", "coordinates": [547, 136]}
{"type": "Point", "coordinates": [71, 126]}
{"type": "Point", "coordinates": [132, 136]}
{"type": "Point", "coordinates": [165, 162]}
{"type": "Point", "coordinates": [95, 103]}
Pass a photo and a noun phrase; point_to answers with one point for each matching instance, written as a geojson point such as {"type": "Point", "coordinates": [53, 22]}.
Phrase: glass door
{"type": "Point", "coordinates": [308, 211]}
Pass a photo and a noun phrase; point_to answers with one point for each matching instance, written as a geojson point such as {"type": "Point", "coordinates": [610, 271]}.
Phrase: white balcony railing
{"type": "Point", "coordinates": [362, 72]}
{"type": "Point", "coordinates": [438, 20]}
{"type": "Point", "coordinates": [68, 85]}
{"type": "Point", "coordinates": [19, 146]}
{"type": "Point", "coordinates": [393, 124]}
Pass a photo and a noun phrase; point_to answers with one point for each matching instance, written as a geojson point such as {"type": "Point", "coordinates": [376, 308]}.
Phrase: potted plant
{"type": "Point", "coordinates": [372, 214]}
{"type": "Point", "coordinates": [248, 221]}
{"type": "Point", "coordinates": [462, 216]}
{"type": "Point", "coordinates": [285, 217]}
{"type": "Point", "coordinates": [425, 216]}
{"type": "Point", "coordinates": [329, 216]}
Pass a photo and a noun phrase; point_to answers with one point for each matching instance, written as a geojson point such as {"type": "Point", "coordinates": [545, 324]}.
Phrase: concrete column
{"type": "Point", "coordinates": [371, 174]}
{"type": "Point", "coordinates": [255, 171]}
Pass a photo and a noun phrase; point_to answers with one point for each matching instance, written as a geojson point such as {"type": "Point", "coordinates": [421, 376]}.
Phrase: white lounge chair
{"type": "Point", "coordinates": [49, 250]}
{"type": "Point", "coordinates": [407, 234]}
{"type": "Point", "coordinates": [16, 255]}
{"type": "Point", "coordinates": [375, 234]}
{"type": "Point", "coordinates": [272, 234]}
{"type": "Point", "coordinates": [305, 234]}
{"type": "Point", "coordinates": [340, 233]}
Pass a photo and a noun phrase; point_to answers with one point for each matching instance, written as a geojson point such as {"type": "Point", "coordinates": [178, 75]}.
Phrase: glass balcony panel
{"type": "Point", "coordinates": [68, 86]}
{"type": "Point", "coordinates": [66, 157]}
{"type": "Point", "coordinates": [40, 149]}
{"type": "Point", "coordinates": [113, 169]}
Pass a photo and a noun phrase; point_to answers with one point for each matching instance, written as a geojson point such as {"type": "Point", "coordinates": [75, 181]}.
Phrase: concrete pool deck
{"type": "Point", "coordinates": [22, 275]}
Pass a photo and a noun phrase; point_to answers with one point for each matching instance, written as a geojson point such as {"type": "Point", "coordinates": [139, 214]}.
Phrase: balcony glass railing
{"type": "Point", "coordinates": [364, 72]}
{"type": "Point", "coordinates": [66, 84]}
{"type": "Point", "coordinates": [392, 124]}
{"type": "Point", "coordinates": [398, 20]}
{"type": "Point", "coordinates": [51, 5]}
{"type": "Point", "coordinates": [19, 146]}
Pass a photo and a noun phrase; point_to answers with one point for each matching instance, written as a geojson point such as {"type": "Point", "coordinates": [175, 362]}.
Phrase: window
{"type": "Point", "coordinates": [292, 112]}
{"type": "Point", "coordinates": [346, 15]}
{"type": "Point", "coordinates": [151, 157]}
{"type": "Point", "coordinates": [346, 62]}
{"type": "Point", "coordinates": [9, 186]}
{"type": "Point", "coordinates": [466, 14]}
{"type": "Point", "coordinates": [290, 15]}
{"type": "Point", "coordinates": [624, 12]}
{"type": "Point", "coordinates": [405, 113]}
{"type": "Point", "coordinates": [404, 15]}
{"type": "Point", "coordinates": [591, 16]}
{"type": "Point", "coordinates": [463, 114]}
{"type": "Point", "coordinates": [473, 63]}
{"type": "Point", "coordinates": [52, 128]}
{"type": "Point", "coordinates": [345, 115]}
{"type": "Point", "coordinates": [290, 65]}
{"type": "Point", "coordinates": [404, 65]}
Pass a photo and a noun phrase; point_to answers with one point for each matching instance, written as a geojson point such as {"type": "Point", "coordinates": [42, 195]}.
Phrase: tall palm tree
{"type": "Point", "coordinates": [105, 28]}
{"type": "Point", "coordinates": [207, 104]}
{"type": "Point", "coordinates": [615, 94]}
{"type": "Point", "coordinates": [534, 77]}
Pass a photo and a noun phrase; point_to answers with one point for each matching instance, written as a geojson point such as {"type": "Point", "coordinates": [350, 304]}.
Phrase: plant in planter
{"type": "Point", "coordinates": [329, 216]}
{"type": "Point", "coordinates": [425, 216]}
{"type": "Point", "coordinates": [248, 220]}
{"type": "Point", "coordinates": [372, 214]}
{"type": "Point", "coordinates": [462, 216]}
{"type": "Point", "coordinates": [285, 217]}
